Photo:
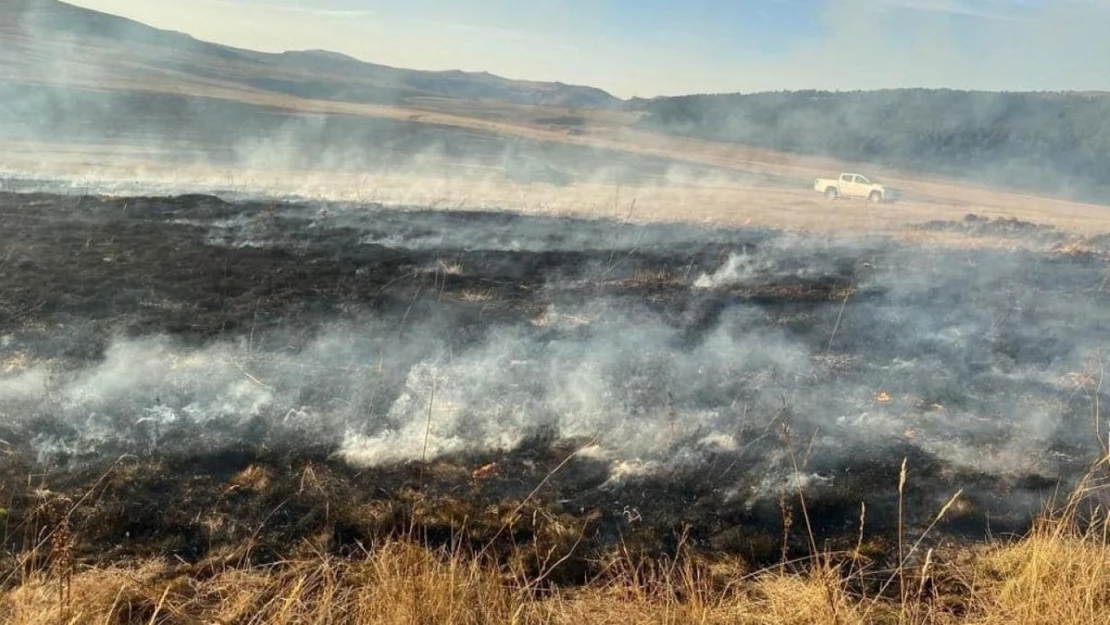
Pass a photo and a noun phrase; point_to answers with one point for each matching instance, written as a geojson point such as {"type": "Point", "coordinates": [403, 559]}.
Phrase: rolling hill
{"type": "Point", "coordinates": [73, 75]}
{"type": "Point", "coordinates": [54, 42]}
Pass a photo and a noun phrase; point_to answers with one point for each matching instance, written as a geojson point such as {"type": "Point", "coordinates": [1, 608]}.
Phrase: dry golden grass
{"type": "Point", "coordinates": [1056, 574]}
{"type": "Point", "coordinates": [404, 583]}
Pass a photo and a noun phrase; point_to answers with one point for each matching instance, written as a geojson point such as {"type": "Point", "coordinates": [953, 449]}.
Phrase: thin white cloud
{"type": "Point", "coordinates": [490, 32]}
{"type": "Point", "coordinates": [335, 13]}
{"type": "Point", "coordinates": [261, 8]}
{"type": "Point", "coordinates": [987, 9]}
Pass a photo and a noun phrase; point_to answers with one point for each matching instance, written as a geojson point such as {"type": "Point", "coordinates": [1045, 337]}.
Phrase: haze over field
{"type": "Point", "coordinates": [174, 110]}
{"type": "Point", "coordinates": [293, 336]}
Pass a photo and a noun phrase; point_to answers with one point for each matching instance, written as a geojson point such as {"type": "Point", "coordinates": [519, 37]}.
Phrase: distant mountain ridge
{"type": "Point", "coordinates": [31, 26]}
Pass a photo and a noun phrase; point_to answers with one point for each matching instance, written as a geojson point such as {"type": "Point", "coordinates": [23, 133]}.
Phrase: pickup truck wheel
{"type": "Point", "coordinates": [875, 197]}
{"type": "Point", "coordinates": [831, 193]}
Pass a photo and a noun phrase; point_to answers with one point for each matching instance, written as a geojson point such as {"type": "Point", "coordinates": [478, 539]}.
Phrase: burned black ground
{"type": "Point", "coordinates": [822, 363]}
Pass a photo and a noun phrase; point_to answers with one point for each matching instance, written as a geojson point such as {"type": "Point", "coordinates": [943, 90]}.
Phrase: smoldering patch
{"type": "Point", "coordinates": [675, 370]}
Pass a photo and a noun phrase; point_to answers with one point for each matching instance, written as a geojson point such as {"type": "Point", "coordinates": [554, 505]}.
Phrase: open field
{"type": "Point", "coordinates": [681, 392]}
{"type": "Point", "coordinates": [291, 338]}
{"type": "Point", "coordinates": [719, 196]}
{"type": "Point", "coordinates": [209, 405]}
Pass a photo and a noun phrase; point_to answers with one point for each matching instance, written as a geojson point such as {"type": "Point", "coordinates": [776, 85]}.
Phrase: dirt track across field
{"type": "Point", "coordinates": [708, 199]}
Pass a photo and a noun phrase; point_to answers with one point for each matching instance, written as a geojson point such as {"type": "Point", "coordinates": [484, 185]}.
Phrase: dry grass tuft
{"type": "Point", "coordinates": [254, 478]}
{"type": "Point", "coordinates": [477, 295]}
{"type": "Point", "coordinates": [1056, 574]}
{"type": "Point", "coordinates": [1051, 576]}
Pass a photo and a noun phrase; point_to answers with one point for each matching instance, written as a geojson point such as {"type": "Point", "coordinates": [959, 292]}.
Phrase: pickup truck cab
{"type": "Point", "coordinates": [854, 185]}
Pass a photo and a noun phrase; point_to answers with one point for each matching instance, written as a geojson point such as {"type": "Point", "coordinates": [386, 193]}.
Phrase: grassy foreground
{"type": "Point", "coordinates": [1058, 573]}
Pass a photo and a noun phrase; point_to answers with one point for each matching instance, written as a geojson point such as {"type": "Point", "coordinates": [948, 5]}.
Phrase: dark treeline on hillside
{"type": "Point", "coordinates": [1054, 143]}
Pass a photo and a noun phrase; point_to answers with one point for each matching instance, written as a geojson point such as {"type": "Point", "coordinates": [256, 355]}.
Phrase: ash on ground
{"type": "Point", "coordinates": [207, 368]}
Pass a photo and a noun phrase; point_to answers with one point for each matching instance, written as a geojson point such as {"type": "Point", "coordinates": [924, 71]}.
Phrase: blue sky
{"type": "Point", "coordinates": [655, 47]}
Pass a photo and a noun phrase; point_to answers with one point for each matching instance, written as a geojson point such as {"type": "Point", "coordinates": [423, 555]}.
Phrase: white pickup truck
{"type": "Point", "coordinates": [855, 185]}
